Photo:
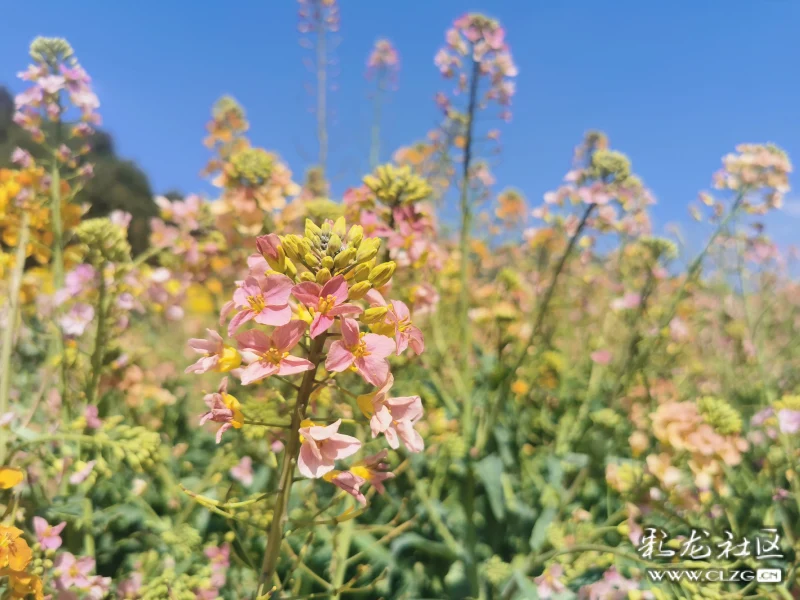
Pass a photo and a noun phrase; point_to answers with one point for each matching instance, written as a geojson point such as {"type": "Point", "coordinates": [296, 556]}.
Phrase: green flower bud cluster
{"type": "Point", "coordinates": [510, 278]}
{"type": "Point", "coordinates": [453, 445]}
{"type": "Point", "coordinates": [251, 167]}
{"type": "Point", "coordinates": [496, 570]}
{"type": "Point", "coordinates": [725, 419]}
{"type": "Point", "coordinates": [610, 166]}
{"type": "Point", "coordinates": [183, 540]}
{"type": "Point", "coordinates": [330, 250]}
{"type": "Point", "coordinates": [137, 446]}
{"type": "Point", "coordinates": [103, 241]}
{"type": "Point", "coordinates": [787, 402]}
{"type": "Point", "coordinates": [40, 564]}
{"type": "Point", "coordinates": [264, 412]}
{"type": "Point", "coordinates": [227, 106]}
{"type": "Point", "coordinates": [52, 51]}
{"type": "Point", "coordinates": [170, 585]}
{"type": "Point", "coordinates": [321, 209]}
{"type": "Point", "coordinates": [660, 247]}
{"type": "Point", "coordinates": [394, 186]}
{"type": "Point", "coordinates": [255, 514]}
{"type": "Point", "coordinates": [606, 417]}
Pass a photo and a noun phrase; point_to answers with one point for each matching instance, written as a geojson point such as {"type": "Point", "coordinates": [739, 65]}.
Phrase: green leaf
{"type": "Point", "coordinates": [540, 528]}
{"type": "Point", "coordinates": [490, 471]}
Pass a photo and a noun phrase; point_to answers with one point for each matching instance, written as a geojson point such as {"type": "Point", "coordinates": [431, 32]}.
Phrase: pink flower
{"type": "Point", "coordinates": [80, 476]}
{"type": "Point", "coordinates": [72, 572]}
{"type": "Point", "coordinates": [549, 583]}
{"type": "Point", "coordinates": [220, 561]}
{"type": "Point", "coordinates": [374, 470]}
{"type": "Point", "coordinates": [366, 353]}
{"type": "Point", "coordinates": [223, 408]}
{"type": "Point", "coordinates": [129, 588]}
{"type": "Point", "coordinates": [405, 333]}
{"type": "Point", "coordinates": [48, 535]}
{"type": "Point", "coordinates": [75, 322]}
{"type": "Point", "coordinates": [324, 302]}
{"type": "Point", "coordinates": [92, 420]}
{"type": "Point", "coordinates": [349, 482]}
{"type": "Point", "coordinates": [789, 421]}
{"type": "Point", "coordinates": [216, 355]}
{"type": "Point", "coordinates": [243, 471]}
{"type": "Point", "coordinates": [272, 352]}
{"type": "Point", "coordinates": [628, 301]}
{"type": "Point", "coordinates": [601, 357]}
{"type": "Point", "coordinates": [393, 417]}
{"type": "Point", "coordinates": [322, 446]}
{"type": "Point", "coordinates": [265, 301]}
{"type": "Point", "coordinates": [98, 587]}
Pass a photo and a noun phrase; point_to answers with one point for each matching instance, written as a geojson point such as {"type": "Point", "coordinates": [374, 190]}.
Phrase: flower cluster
{"type": "Point", "coordinates": [384, 63]}
{"type": "Point", "coordinates": [56, 76]}
{"type": "Point", "coordinates": [311, 291]}
{"type": "Point", "coordinates": [476, 46]}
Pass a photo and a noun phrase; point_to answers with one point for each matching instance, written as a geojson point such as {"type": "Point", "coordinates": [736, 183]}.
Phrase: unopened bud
{"type": "Point", "coordinates": [380, 275]}
{"type": "Point", "coordinates": [359, 290]}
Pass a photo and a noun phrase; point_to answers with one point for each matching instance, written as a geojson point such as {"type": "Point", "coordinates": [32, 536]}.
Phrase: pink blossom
{"type": "Point", "coordinates": [72, 572]}
{"type": "Point", "coordinates": [222, 408]}
{"type": "Point", "coordinates": [128, 589]}
{"type": "Point", "coordinates": [374, 470]}
{"type": "Point", "coordinates": [549, 583]}
{"type": "Point", "coordinates": [80, 476]}
{"type": "Point", "coordinates": [601, 357]}
{"type": "Point", "coordinates": [75, 322]}
{"type": "Point", "coordinates": [48, 535]}
{"type": "Point", "coordinates": [213, 350]}
{"type": "Point", "coordinates": [243, 471]}
{"type": "Point", "coordinates": [325, 302]}
{"type": "Point", "coordinates": [266, 301]}
{"type": "Point", "coordinates": [269, 355]}
{"type": "Point", "coordinates": [366, 353]}
{"type": "Point", "coordinates": [21, 158]}
{"type": "Point", "coordinates": [322, 446]}
{"type": "Point", "coordinates": [789, 421]}
{"type": "Point", "coordinates": [92, 420]}
{"type": "Point", "coordinates": [628, 301]}
{"type": "Point", "coordinates": [393, 417]}
{"type": "Point", "coordinates": [350, 483]}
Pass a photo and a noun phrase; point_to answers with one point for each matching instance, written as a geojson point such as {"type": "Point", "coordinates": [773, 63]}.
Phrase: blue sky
{"type": "Point", "coordinates": [675, 84]}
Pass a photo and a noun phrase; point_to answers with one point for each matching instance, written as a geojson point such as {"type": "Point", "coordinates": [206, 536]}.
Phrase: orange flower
{"type": "Point", "coordinates": [23, 584]}
{"type": "Point", "coordinates": [14, 551]}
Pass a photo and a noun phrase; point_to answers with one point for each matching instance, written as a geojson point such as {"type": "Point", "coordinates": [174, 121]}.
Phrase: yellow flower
{"type": "Point", "coordinates": [9, 477]}
{"type": "Point", "coordinates": [14, 551]}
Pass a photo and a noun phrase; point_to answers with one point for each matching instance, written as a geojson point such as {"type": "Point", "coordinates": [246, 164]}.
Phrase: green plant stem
{"type": "Point", "coordinates": [98, 354]}
{"type": "Point", "coordinates": [322, 88]}
{"type": "Point", "coordinates": [375, 144]}
{"type": "Point", "coordinates": [466, 225]}
{"type": "Point", "coordinates": [279, 513]}
{"type": "Point", "coordinates": [11, 323]}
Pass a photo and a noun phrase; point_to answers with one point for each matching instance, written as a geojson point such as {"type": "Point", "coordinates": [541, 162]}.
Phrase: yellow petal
{"type": "Point", "coordinates": [9, 477]}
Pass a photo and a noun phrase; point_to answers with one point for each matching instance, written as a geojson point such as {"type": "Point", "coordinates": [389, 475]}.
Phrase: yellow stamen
{"type": "Point", "coordinates": [257, 303]}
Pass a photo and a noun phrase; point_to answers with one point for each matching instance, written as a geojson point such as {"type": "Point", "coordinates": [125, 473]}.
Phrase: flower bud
{"type": "Point", "coordinates": [334, 245]}
{"type": "Point", "coordinates": [327, 262]}
{"type": "Point", "coordinates": [323, 276]}
{"type": "Point", "coordinates": [380, 275]}
{"type": "Point", "coordinates": [310, 260]}
{"type": "Point", "coordinates": [359, 290]}
{"type": "Point", "coordinates": [344, 258]}
{"type": "Point", "coordinates": [312, 231]}
{"type": "Point", "coordinates": [306, 276]}
{"type": "Point", "coordinates": [339, 227]}
{"type": "Point", "coordinates": [374, 314]}
{"type": "Point", "coordinates": [360, 273]}
{"type": "Point", "coordinates": [368, 249]}
{"type": "Point", "coordinates": [355, 235]}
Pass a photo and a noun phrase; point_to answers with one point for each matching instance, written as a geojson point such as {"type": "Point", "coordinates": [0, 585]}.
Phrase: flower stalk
{"type": "Point", "coordinates": [279, 513]}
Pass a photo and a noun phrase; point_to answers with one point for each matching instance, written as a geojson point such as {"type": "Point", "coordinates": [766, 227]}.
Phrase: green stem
{"type": "Point", "coordinates": [322, 88]}
{"type": "Point", "coordinates": [11, 323]}
{"type": "Point", "coordinates": [279, 513]}
{"type": "Point", "coordinates": [375, 146]}
{"type": "Point", "coordinates": [99, 341]}
{"type": "Point", "coordinates": [466, 225]}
